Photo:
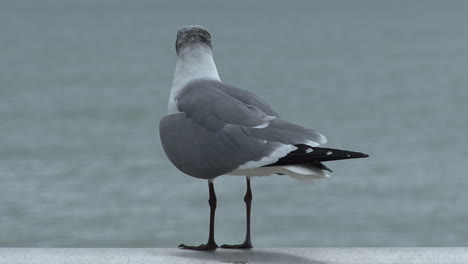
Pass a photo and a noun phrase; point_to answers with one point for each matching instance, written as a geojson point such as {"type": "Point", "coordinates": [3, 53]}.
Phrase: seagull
{"type": "Point", "coordinates": [213, 129]}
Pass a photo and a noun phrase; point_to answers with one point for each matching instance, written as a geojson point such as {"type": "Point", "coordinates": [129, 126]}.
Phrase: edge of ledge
{"type": "Point", "coordinates": [257, 255]}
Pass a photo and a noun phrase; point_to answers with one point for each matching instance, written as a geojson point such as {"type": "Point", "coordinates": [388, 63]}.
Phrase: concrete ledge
{"type": "Point", "coordinates": [261, 255]}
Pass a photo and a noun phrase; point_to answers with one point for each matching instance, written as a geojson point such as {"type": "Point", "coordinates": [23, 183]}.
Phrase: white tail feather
{"type": "Point", "coordinates": [304, 173]}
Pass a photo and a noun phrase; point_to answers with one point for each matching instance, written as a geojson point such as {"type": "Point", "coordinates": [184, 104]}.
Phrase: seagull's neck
{"type": "Point", "coordinates": [193, 62]}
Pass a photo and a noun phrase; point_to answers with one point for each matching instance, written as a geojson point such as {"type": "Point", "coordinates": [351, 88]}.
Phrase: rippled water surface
{"type": "Point", "coordinates": [83, 85]}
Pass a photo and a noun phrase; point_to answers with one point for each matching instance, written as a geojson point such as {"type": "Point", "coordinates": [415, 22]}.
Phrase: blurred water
{"type": "Point", "coordinates": [83, 85]}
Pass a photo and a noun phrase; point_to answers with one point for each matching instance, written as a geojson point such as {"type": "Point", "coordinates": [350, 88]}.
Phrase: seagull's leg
{"type": "Point", "coordinates": [211, 244]}
{"type": "Point", "coordinates": [248, 202]}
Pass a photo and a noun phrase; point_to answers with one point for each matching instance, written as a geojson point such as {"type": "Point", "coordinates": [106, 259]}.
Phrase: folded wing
{"type": "Point", "coordinates": [220, 129]}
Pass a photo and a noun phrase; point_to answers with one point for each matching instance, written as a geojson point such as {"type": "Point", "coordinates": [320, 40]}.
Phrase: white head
{"type": "Point", "coordinates": [189, 35]}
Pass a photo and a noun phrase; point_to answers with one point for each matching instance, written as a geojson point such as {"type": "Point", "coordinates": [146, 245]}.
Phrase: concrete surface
{"type": "Point", "coordinates": [261, 255]}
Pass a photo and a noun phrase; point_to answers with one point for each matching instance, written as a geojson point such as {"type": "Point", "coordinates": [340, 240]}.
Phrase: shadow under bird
{"type": "Point", "coordinates": [215, 129]}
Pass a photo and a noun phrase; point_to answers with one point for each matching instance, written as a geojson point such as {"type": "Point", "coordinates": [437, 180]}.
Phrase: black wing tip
{"type": "Point", "coordinates": [353, 155]}
{"type": "Point", "coordinates": [361, 155]}
{"type": "Point", "coordinates": [329, 154]}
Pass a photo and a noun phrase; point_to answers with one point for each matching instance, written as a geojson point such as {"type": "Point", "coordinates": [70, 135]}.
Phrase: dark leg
{"type": "Point", "coordinates": [248, 202]}
{"type": "Point", "coordinates": [211, 244]}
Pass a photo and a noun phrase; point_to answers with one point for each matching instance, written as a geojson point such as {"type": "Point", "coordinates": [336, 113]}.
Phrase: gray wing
{"type": "Point", "coordinates": [247, 98]}
{"type": "Point", "coordinates": [217, 132]}
{"type": "Point", "coordinates": [277, 130]}
{"type": "Point", "coordinates": [201, 153]}
{"type": "Point", "coordinates": [212, 108]}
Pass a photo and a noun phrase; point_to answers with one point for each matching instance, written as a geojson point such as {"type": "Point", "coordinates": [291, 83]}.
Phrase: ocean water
{"type": "Point", "coordinates": [83, 85]}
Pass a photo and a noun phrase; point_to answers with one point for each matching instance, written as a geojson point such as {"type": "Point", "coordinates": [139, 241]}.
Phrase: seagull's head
{"type": "Point", "coordinates": [191, 35]}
